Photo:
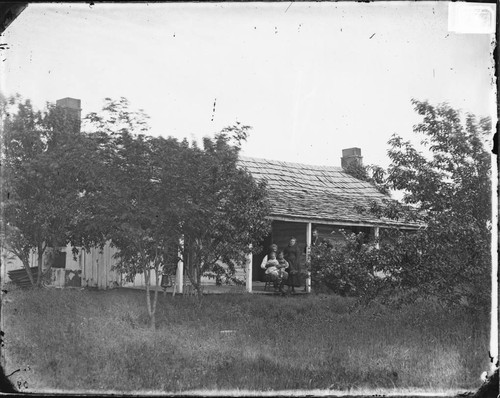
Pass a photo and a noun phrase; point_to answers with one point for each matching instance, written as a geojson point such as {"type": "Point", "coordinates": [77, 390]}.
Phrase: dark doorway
{"type": "Point", "coordinates": [257, 272]}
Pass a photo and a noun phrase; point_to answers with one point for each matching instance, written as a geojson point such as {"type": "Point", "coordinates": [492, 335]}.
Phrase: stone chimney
{"type": "Point", "coordinates": [351, 155]}
{"type": "Point", "coordinates": [73, 108]}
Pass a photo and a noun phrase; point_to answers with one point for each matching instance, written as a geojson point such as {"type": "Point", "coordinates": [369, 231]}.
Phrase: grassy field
{"type": "Point", "coordinates": [99, 340]}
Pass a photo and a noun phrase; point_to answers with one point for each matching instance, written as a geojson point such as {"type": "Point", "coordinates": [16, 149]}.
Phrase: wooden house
{"type": "Point", "coordinates": [91, 268]}
{"type": "Point", "coordinates": [302, 197]}
{"type": "Point", "coordinates": [305, 197]}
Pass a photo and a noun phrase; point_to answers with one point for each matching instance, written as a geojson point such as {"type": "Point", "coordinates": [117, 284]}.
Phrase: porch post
{"type": "Point", "coordinates": [377, 237]}
{"type": "Point", "coordinates": [308, 255]}
{"type": "Point", "coordinates": [249, 265]}
{"type": "Point", "coordinates": [180, 269]}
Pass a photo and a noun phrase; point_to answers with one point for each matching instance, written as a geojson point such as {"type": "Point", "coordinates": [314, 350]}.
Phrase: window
{"type": "Point", "coordinates": [59, 259]}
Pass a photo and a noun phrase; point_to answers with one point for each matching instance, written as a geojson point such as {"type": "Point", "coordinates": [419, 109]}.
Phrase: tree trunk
{"type": "Point", "coordinates": [188, 266]}
{"type": "Point", "coordinates": [148, 298]}
{"type": "Point", "coordinates": [26, 263]}
{"type": "Point", "coordinates": [195, 267]}
{"type": "Point", "coordinates": [40, 264]}
{"type": "Point", "coordinates": [198, 282]}
{"type": "Point", "coordinates": [155, 299]}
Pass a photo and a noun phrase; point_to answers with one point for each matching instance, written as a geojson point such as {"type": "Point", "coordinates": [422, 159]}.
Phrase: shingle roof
{"type": "Point", "coordinates": [316, 193]}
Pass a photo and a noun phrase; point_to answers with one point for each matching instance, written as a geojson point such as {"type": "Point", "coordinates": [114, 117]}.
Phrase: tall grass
{"type": "Point", "coordinates": [91, 340]}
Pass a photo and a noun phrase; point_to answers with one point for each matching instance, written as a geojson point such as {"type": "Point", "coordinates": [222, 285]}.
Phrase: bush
{"type": "Point", "coordinates": [348, 269]}
{"type": "Point", "coordinates": [436, 263]}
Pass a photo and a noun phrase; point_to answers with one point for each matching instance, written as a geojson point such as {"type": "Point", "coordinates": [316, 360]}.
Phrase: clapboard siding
{"type": "Point", "coordinates": [96, 267]}
{"type": "Point", "coordinates": [240, 273]}
{"type": "Point", "coordinates": [140, 280]}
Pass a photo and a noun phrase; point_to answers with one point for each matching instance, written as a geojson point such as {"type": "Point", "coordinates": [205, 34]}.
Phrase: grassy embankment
{"type": "Point", "coordinates": [92, 340]}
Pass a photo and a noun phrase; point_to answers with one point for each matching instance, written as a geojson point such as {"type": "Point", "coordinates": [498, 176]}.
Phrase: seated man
{"type": "Point", "coordinates": [272, 249]}
{"type": "Point", "coordinates": [271, 264]}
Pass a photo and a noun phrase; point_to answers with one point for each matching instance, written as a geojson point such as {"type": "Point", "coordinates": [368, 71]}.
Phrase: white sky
{"type": "Point", "coordinates": [310, 78]}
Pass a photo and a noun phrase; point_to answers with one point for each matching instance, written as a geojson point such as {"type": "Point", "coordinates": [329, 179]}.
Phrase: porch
{"type": "Point", "coordinates": [257, 288]}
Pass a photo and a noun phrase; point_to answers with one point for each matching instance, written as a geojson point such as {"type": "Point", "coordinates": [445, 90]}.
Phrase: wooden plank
{"type": "Point", "coordinates": [180, 276]}
{"type": "Point", "coordinates": [107, 266]}
{"type": "Point", "coordinates": [100, 268]}
{"type": "Point", "coordinates": [110, 277]}
{"type": "Point", "coordinates": [101, 265]}
{"type": "Point", "coordinates": [89, 260]}
{"type": "Point", "coordinates": [81, 267]}
{"type": "Point", "coordinates": [248, 275]}
{"type": "Point", "coordinates": [113, 277]}
{"type": "Point", "coordinates": [86, 259]}
{"type": "Point", "coordinates": [95, 259]}
{"type": "Point", "coordinates": [103, 269]}
{"type": "Point", "coordinates": [86, 256]}
{"type": "Point", "coordinates": [114, 261]}
{"type": "Point", "coordinates": [110, 274]}
{"type": "Point", "coordinates": [90, 265]}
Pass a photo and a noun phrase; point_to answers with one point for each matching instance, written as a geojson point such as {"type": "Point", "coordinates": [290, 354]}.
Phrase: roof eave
{"type": "Point", "coordinates": [319, 220]}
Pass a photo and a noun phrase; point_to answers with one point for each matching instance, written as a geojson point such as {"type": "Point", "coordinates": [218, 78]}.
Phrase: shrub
{"type": "Point", "coordinates": [347, 269]}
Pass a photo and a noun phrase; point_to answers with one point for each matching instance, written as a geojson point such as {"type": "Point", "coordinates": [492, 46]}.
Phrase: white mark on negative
{"type": "Point", "coordinates": [471, 17]}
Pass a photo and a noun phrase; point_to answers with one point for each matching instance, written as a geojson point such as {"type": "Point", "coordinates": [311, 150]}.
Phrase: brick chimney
{"type": "Point", "coordinates": [73, 108]}
{"type": "Point", "coordinates": [351, 155]}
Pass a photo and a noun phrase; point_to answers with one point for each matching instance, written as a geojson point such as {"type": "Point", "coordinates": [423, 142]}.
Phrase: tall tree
{"type": "Point", "coordinates": [373, 174]}
{"type": "Point", "coordinates": [451, 185]}
{"type": "Point", "coordinates": [448, 184]}
{"type": "Point", "coordinates": [137, 210]}
{"type": "Point", "coordinates": [447, 189]}
{"type": "Point", "coordinates": [225, 209]}
{"type": "Point", "coordinates": [45, 170]}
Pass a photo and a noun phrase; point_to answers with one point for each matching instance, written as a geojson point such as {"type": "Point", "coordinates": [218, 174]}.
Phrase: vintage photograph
{"type": "Point", "coordinates": [249, 198]}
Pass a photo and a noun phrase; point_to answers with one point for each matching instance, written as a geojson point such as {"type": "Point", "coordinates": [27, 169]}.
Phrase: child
{"type": "Point", "coordinates": [283, 264]}
{"type": "Point", "coordinates": [272, 265]}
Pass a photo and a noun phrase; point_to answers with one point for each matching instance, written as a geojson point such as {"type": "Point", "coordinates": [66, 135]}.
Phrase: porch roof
{"type": "Point", "coordinates": [318, 194]}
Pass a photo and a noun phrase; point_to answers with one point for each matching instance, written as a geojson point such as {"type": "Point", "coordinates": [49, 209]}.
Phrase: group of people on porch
{"type": "Point", "coordinates": [283, 266]}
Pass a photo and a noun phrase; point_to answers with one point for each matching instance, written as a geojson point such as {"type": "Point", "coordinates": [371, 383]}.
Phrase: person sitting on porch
{"type": "Point", "coordinates": [273, 277]}
{"type": "Point", "coordinates": [272, 265]}
{"type": "Point", "coordinates": [272, 248]}
{"type": "Point", "coordinates": [283, 264]}
{"type": "Point", "coordinates": [276, 270]}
